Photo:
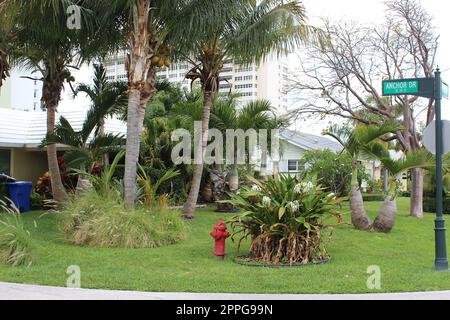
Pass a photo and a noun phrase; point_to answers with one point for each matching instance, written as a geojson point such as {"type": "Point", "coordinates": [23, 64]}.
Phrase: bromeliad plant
{"type": "Point", "coordinates": [285, 219]}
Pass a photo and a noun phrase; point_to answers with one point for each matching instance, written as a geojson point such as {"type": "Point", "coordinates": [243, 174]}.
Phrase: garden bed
{"type": "Point", "coordinates": [247, 261]}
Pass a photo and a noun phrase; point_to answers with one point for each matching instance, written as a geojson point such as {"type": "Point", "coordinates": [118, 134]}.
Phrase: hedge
{"type": "Point", "coordinates": [429, 205]}
{"type": "Point", "coordinates": [373, 197]}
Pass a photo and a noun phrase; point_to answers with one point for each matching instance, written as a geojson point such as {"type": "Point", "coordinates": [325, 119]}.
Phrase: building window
{"type": "Point", "coordinates": [225, 86]}
{"type": "Point", "coordinates": [5, 162]}
{"type": "Point", "coordinates": [296, 165]}
{"type": "Point", "coordinates": [230, 69]}
{"type": "Point", "coordinates": [248, 78]}
{"type": "Point", "coordinates": [243, 86]}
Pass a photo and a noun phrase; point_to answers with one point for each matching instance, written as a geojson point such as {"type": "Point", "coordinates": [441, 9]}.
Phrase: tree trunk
{"type": "Point", "coordinates": [189, 206]}
{"type": "Point", "coordinates": [58, 190]}
{"type": "Point", "coordinates": [386, 218]}
{"type": "Point", "coordinates": [276, 170]}
{"type": "Point", "coordinates": [416, 200]}
{"type": "Point", "coordinates": [263, 170]}
{"type": "Point", "coordinates": [132, 148]}
{"type": "Point", "coordinates": [360, 219]}
{"type": "Point", "coordinates": [234, 178]}
{"type": "Point", "coordinates": [138, 66]}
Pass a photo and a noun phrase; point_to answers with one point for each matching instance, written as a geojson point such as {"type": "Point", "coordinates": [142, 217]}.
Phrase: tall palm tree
{"type": "Point", "coordinates": [5, 47]}
{"type": "Point", "coordinates": [257, 115]}
{"type": "Point", "coordinates": [359, 142]}
{"type": "Point", "coordinates": [385, 220]}
{"type": "Point", "coordinates": [149, 29]}
{"type": "Point", "coordinates": [248, 31]}
{"type": "Point", "coordinates": [107, 99]}
{"type": "Point", "coordinates": [44, 44]}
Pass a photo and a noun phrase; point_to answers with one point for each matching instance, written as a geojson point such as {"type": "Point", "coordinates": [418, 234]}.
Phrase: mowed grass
{"type": "Point", "coordinates": [405, 257]}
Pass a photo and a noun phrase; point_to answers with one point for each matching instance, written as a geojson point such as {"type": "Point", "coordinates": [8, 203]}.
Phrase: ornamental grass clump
{"type": "Point", "coordinates": [16, 247]}
{"type": "Point", "coordinates": [98, 221]}
{"type": "Point", "coordinates": [285, 219]}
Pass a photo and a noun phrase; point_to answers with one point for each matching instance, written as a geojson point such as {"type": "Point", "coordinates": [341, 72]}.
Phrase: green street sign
{"type": "Point", "coordinates": [444, 90]}
{"type": "Point", "coordinates": [399, 87]}
{"type": "Point", "coordinates": [422, 87]}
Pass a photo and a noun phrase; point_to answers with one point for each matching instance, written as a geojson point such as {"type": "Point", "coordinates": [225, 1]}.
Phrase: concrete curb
{"type": "Point", "coordinates": [12, 291]}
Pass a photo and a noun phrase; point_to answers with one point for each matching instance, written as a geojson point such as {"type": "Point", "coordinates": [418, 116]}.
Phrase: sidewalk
{"type": "Point", "coordinates": [11, 291]}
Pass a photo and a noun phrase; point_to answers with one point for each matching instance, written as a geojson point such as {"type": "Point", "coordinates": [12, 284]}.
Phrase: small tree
{"type": "Point", "coordinates": [333, 170]}
{"type": "Point", "coordinates": [357, 143]}
{"type": "Point", "coordinates": [420, 159]}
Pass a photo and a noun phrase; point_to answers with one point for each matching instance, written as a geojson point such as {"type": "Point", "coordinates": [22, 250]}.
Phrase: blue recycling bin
{"type": "Point", "coordinates": [20, 193]}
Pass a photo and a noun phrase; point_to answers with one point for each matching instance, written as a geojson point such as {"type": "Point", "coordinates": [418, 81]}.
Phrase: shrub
{"type": "Point", "coordinates": [15, 241]}
{"type": "Point", "coordinates": [373, 197]}
{"type": "Point", "coordinates": [429, 205]}
{"type": "Point", "coordinates": [332, 170]}
{"type": "Point", "coordinates": [285, 219]}
{"type": "Point", "coordinates": [37, 201]}
{"type": "Point", "coordinates": [98, 221]}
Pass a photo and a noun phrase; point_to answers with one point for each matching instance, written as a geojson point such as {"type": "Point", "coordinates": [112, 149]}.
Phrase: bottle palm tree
{"type": "Point", "coordinates": [359, 142]}
{"type": "Point", "coordinates": [385, 220]}
{"type": "Point", "coordinates": [248, 31]}
{"type": "Point", "coordinates": [44, 44]}
{"type": "Point", "coordinates": [149, 29]}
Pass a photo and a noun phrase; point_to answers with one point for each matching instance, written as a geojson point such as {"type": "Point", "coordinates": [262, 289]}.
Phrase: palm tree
{"type": "Point", "coordinates": [87, 146]}
{"type": "Point", "coordinates": [248, 31]}
{"type": "Point", "coordinates": [149, 29]}
{"type": "Point", "coordinates": [44, 44]}
{"type": "Point", "coordinates": [5, 47]}
{"type": "Point", "coordinates": [385, 220]}
{"type": "Point", "coordinates": [256, 115]}
{"type": "Point", "coordinates": [107, 98]}
{"type": "Point", "coordinates": [359, 142]}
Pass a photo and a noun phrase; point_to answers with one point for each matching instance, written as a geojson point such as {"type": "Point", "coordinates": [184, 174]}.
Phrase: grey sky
{"type": "Point", "coordinates": [373, 12]}
{"type": "Point", "coordinates": [363, 11]}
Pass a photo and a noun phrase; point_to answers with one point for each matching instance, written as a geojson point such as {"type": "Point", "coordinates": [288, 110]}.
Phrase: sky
{"type": "Point", "coordinates": [363, 11]}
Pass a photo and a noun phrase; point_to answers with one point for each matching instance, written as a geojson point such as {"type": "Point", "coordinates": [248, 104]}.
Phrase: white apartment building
{"type": "Point", "coordinates": [268, 80]}
{"type": "Point", "coordinates": [21, 93]}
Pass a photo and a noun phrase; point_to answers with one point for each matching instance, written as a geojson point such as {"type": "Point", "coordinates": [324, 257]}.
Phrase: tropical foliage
{"type": "Point", "coordinates": [420, 159]}
{"type": "Point", "coordinates": [94, 220]}
{"type": "Point", "coordinates": [285, 219]}
{"type": "Point", "coordinates": [16, 247]}
{"type": "Point", "coordinates": [245, 32]}
{"type": "Point", "coordinates": [360, 143]}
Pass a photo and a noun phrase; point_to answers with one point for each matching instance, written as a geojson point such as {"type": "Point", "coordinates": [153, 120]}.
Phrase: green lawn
{"type": "Point", "coordinates": [405, 257]}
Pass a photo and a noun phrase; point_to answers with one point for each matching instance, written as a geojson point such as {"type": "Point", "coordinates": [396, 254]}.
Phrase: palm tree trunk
{"type": "Point", "coordinates": [132, 148]}
{"type": "Point", "coordinates": [386, 218]}
{"type": "Point", "coordinates": [416, 201]}
{"type": "Point", "coordinates": [58, 190]}
{"type": "Point", "coordinates": [360, 219]}
{"type": "Point", "coordinates": [138, 67]}
{"type": "Point", "coordinates": [263, 169]}
{"type": "Point", "coordinates": [234, 178]}
{"type": "Point", "coordinates": [189, 206]}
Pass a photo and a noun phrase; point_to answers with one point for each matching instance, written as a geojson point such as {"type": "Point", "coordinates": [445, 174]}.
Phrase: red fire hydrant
{"type": "Point", "coordinates": [220, 234]}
